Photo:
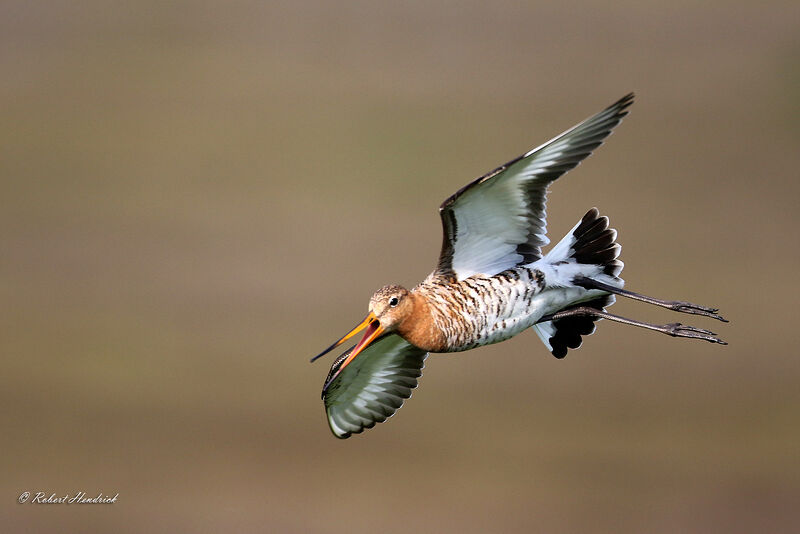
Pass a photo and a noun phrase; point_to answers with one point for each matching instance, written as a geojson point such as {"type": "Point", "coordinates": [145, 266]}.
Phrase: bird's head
{"type": "Point", "coordinates": [388, 308]}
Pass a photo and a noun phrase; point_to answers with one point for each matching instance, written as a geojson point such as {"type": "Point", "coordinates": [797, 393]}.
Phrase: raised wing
{"type": "Point", "coordinates": [498, 221]}
{"type": "Point", "coordinates": [373, 386]}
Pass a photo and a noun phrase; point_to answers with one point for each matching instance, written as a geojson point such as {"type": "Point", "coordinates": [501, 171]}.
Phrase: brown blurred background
{"type": "Point", "coordinates": [197, 197]}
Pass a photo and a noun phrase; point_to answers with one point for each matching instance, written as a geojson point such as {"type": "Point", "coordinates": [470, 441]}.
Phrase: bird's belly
{"type": "Point", "coordinates": [503, 330]}
{"type": "Point", "coordinates": [491, 311]}
{"type": "Point", "coordinates": [488, 332]}
{"type": "Point", "coordinates": [495, 317]}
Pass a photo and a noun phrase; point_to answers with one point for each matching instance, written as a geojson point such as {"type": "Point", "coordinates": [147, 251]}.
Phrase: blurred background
{"type": "Point", "coordinates": [196, 197]}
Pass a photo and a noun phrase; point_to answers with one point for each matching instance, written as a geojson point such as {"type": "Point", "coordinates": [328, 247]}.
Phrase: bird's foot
{"type": "Point", "coordinates": [682, 330]}
{"type": "Point", "coordinates": [694, 309]}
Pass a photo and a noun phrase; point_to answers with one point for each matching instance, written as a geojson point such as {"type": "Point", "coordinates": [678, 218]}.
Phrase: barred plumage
{"type": "Point", "coordinates": [479, 311]}
{"type": "Point", "coordinates": [491, 283]}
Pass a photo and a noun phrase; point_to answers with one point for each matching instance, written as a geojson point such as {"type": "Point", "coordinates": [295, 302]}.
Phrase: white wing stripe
{"type": "Point", "coordinates": [498, 221]}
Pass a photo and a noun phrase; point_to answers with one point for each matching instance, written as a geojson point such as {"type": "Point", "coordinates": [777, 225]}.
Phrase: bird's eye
{"type": "Point", "coordinates": [393, 302]}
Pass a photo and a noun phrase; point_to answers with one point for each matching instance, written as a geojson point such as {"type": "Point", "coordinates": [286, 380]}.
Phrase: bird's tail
{"type": "Point", "coordinates": [590, 243]}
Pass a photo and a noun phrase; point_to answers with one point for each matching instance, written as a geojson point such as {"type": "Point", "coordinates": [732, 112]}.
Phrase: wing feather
{"type": "Point", "coordinates": [498, 221]}
{"type": "Point", "coordinates": [373, 386]}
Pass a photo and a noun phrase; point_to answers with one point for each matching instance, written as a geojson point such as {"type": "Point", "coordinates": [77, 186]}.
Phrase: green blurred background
{"type": "Point", "coordinates": [197, 197]}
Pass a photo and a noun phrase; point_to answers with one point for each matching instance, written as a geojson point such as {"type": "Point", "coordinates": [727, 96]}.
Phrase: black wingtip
{"type": "Point", "coordinates": [625, 101]}
{"type": "Point", "coordinates": [620, 107]}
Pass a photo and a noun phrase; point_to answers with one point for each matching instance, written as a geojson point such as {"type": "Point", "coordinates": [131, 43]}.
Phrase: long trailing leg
{"type": "Point", "coordinates": [675, 305]}
{"type": "Point", "coordinates": [672, 329]}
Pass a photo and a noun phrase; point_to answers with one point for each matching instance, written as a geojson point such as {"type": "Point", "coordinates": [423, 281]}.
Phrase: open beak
{"type": "Point", "coordinates": [374, 330]}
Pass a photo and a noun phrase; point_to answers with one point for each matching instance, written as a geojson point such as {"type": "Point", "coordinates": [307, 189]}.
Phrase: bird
{"type": "Point", "coordinates": [492, 282]}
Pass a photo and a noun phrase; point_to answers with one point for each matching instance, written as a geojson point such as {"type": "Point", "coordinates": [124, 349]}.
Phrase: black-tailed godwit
{"type": "Point", "coordinates": [492, 282]}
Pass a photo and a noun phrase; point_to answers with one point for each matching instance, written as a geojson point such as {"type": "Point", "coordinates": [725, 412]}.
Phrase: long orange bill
{"type": "Point", "coordinates": [374, 330]}
{"type": "Point", "coordinates": [369, 319]}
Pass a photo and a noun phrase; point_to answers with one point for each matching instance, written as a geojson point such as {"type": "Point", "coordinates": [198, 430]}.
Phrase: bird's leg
{"type": "Point", "coordinates": [672, 329]}
{"type": "Point", "coordinates": [675, 305]}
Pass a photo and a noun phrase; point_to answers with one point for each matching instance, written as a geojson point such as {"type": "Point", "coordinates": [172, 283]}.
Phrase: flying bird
{"type": "Point", "coordinates": [492, 282]}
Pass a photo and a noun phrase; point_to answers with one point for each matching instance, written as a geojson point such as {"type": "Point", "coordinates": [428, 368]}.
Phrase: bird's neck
{"type": "Point", "coordinates": [419, 327]}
